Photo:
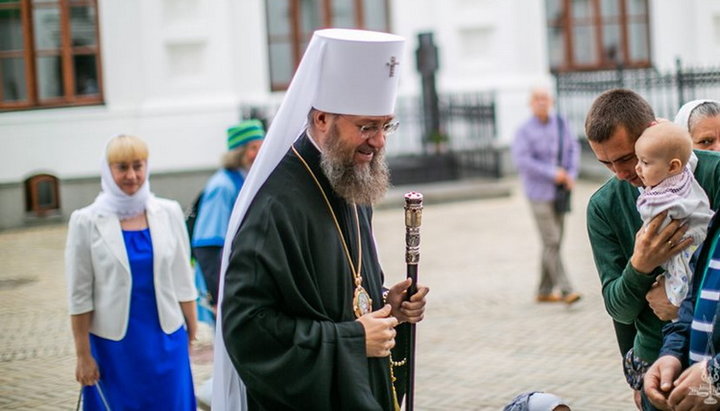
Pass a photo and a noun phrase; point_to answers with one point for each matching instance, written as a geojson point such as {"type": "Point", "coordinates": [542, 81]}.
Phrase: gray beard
{"type": "Point", "coordinates": [363, 184]}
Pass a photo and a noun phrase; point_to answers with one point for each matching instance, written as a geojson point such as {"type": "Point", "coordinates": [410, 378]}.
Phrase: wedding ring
{"type": "Point", "coordinates": [670, 244]}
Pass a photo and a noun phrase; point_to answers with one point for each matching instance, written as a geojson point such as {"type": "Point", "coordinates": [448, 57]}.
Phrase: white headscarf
{"type": "Point", "coordinates": [112, 200]}
{"type": "Point", "coordinates": [683, 116]}
{"type": "Point", "coordinates": [304, 92]}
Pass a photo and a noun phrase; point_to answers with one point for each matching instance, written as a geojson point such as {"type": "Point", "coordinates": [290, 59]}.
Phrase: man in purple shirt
{"type": "Point", "coordinates": [538, 143]}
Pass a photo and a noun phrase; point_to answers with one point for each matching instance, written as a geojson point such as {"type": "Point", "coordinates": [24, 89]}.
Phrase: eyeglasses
{"type": "Point", "coordinates": [370, 130]}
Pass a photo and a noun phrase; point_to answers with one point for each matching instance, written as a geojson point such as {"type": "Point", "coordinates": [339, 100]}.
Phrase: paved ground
{"type": "Point", "coordinates": [483, 341]}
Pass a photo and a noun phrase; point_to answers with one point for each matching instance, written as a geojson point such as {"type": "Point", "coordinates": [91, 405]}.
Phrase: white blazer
{"type": "Point", "coordinates": [98, 271]}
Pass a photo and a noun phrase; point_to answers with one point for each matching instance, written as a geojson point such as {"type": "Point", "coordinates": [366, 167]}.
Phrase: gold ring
{"type": "Point", "coordinates": [670, 244]}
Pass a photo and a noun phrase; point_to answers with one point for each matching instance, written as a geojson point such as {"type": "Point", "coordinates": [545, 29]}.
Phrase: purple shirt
{"type": "Point", "coordinates": [535, 153]}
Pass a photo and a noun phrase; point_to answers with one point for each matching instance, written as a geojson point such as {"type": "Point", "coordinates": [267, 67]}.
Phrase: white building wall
{"type": "Point", "coordinates": [689, 30]}
{"type": "Point", "coordinates": [496, 45]}
{"type": "Point", "coordinates": [248, 51]}
{"type": "Point", "coordinates": [175, 72]}
{"type": "Point", "coordinates": [665, 43]}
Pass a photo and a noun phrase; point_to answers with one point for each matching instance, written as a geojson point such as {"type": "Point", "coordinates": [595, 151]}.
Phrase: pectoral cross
{"type": "Point", "coordinates": [393, 62]}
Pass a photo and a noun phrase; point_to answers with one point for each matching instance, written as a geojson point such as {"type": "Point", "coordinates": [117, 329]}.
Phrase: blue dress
{"type": "Point", "coordinates": [147, 369]}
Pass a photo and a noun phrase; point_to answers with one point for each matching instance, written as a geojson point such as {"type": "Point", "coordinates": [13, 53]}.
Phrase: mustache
{"type": "Point", "coordinates": [366, 148]}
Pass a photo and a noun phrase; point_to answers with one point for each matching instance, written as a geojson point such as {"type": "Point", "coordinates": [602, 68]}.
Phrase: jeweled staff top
{"type": "Point", "coordinates": [413, 220]}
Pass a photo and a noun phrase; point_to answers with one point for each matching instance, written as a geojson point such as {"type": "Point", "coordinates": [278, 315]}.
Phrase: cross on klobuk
{"type": "Point", "coordinates": [393, 62]}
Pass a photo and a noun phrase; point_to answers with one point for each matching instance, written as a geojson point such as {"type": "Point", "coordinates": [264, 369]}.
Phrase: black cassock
{"type": "Point", "coordinates": [287, 313]}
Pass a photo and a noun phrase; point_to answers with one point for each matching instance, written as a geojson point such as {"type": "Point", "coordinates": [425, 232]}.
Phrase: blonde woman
{"type": "Point", "coordinates": [131, 290]}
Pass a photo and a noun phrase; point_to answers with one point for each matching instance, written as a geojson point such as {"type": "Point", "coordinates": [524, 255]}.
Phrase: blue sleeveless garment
{"type": "Point", "coordinates": [147, 369]}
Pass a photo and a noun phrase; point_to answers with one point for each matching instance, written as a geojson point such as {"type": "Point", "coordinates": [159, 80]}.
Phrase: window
{"type": "Point", "coordinates": [597, 34]}
{"type": "Point", "coordinates": [49, 54]}
{"type": "Point", "coordinates": [41, 194]}
{"type": "Point", "coordinates": [291, 24]}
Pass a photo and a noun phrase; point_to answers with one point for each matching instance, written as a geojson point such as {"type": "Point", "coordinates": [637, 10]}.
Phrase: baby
{"type": "Point", "coordinates": [665, 158]}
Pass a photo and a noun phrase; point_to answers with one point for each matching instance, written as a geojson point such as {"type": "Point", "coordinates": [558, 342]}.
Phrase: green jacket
{"type": "Point", "coordinates": [612, 222]}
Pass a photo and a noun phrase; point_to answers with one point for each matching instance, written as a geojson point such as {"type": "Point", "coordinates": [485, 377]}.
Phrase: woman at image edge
{"type": "Point", "coordinates": [131, 290]}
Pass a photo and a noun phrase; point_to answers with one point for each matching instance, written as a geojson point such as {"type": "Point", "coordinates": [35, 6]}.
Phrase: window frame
{"type": "Point", "coordinates": [597, 22]}
{"type": "Point", "coordinates": [32, 194]}
{"type": "Point", "coordinates": [297, 38]}
{"type": "Point", "coordinates": [66, 51]}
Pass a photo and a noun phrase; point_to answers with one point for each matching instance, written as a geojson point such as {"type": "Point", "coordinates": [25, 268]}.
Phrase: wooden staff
{"type": "Point", "coordinates": [413, 219]}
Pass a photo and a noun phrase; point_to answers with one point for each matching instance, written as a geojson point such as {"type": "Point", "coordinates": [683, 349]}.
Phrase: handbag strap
{"type": "Point", "coordinates": [102, 396]}
{"type": "Point", "coordinates": [99, 390]}
{"type": "Point", "coordinates": [561, 138]}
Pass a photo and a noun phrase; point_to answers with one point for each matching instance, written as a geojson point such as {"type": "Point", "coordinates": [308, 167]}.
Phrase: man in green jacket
{"type": "Point", "coordinates": [626, 258]}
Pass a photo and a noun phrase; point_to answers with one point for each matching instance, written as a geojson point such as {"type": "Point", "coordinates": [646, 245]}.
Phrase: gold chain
{"type": "Point", "coordinates": [396, 404]}
{"type": "Point", "coordinates": [356, 274]}
{"type": "Point", "coordinates": [398, 363]}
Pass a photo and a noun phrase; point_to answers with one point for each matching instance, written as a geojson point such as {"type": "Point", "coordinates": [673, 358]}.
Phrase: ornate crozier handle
{"type": "Point", "coordinates": [413, 219]}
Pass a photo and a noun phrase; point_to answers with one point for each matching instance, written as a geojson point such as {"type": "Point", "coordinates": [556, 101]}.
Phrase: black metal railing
{"type": "Point", "coordinates": [665, 91]}
{"type": "Point", "coordinates": [470, 123]}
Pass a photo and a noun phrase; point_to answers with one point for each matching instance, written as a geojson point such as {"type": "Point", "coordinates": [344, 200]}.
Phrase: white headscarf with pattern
{"type": "Point", "coordinates": [683, 115]}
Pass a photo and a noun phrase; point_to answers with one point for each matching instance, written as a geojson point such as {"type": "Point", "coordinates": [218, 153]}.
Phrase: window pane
{"type": "Point", "coordinates": [581, 9]}
{"type": "Point", "coordinates": [13, 79]}
{"type": "Point", "coordinates": [609, 8]}
{"type": "Point", "coordinates": [309, 16]}
{"type": "Point", "coordinates": [611, 43]}
{"type": "Point", "coordinates": [49, 76]}
{"type": "Point", "coordinates": [375, 15]}
{"type": "Point", "coordinates": [46, 23]}
{"type": "Point", "coordinates": [278, 12]}
{"type": "Point", "coordinates": [556, 47]}
{"type": "Point", "coordinates": [343, 14]}
{"type": "Point", "coordinates": [553, 11]}
{"type": "Point", "coordinates": [281, 65]}
{"type": "Point", "coordinates": [584, 51]}
{"type": "Point", "coordinates": [82, 26]}
{"type": "Point", "coordinates": [46, 194]}
{"type": "Point", "coordinates": [11, 33]}
{"type": "Point", "coordinates": [637, 7]}
{"type": "Point", "coordinates": [639, 48]}
{"type": "Point", "coordinates": [86, 81]}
